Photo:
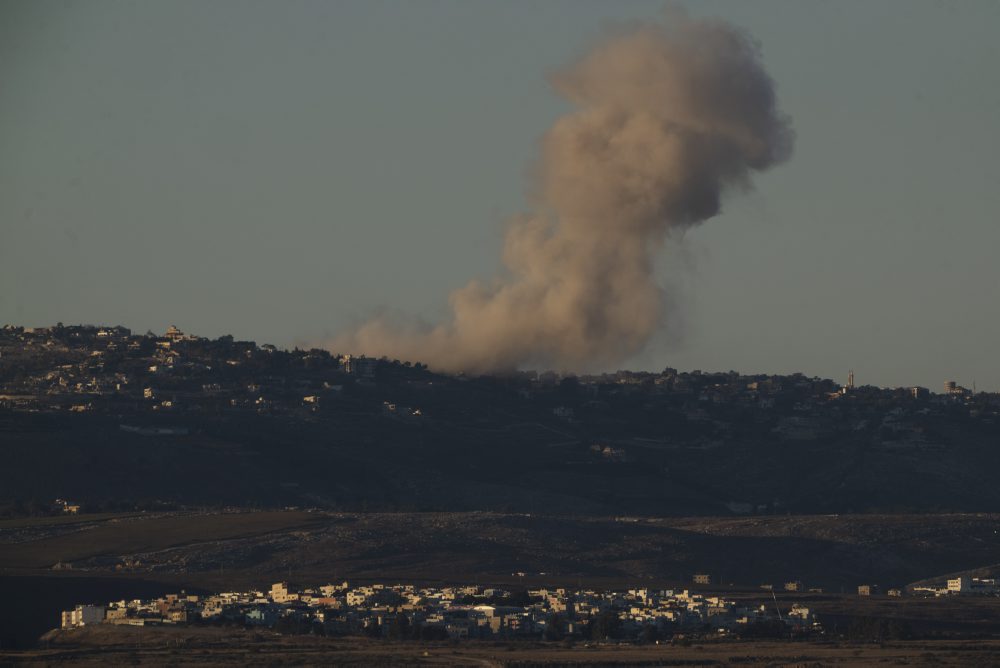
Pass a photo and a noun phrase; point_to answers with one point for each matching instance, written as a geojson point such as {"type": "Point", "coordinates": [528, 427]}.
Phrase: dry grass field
{"type": "Point", "coordinates": [203, 647]}
{"type": "Point", "coordinates": [831, 551]}
{"type": "Point", "coordinates": [109, 534]}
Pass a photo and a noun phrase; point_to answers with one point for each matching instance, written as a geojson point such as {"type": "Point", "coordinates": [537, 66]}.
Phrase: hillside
{"type": "Point", "coordinates": [117, 421]}
{"type": "Point", "coordinates": [834, 552]}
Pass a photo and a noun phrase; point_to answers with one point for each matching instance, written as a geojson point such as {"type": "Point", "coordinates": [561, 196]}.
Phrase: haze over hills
{"type": "Point", "coordinates": [181, 420]}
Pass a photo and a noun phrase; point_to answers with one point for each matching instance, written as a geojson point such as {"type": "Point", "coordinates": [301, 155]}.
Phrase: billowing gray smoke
{"type": "Point", "coordinates": [667, 116]}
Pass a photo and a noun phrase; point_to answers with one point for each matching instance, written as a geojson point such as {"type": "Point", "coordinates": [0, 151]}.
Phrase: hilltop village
{"type": "Point", "coordinates": [400, 436]}
{"type": "Point", "coordinates": [90, 368]}
{"type": "Point", "coordinates": [407, 611]}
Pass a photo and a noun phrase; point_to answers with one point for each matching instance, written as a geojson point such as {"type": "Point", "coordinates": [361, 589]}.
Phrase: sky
{"type": "Point", "coordinates": [283, 171]}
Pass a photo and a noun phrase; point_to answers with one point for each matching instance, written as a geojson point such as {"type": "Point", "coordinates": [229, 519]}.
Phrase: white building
{"type": "Point", "coordinates": [960, 585]}
{"type": "Point", "coordinates": [82, 615]}
{"type": "Point", "coordinates": [279, 593]}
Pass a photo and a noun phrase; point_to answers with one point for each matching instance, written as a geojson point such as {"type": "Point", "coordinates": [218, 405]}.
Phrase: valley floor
{"type": "Point", "coordinates": [190, 647]}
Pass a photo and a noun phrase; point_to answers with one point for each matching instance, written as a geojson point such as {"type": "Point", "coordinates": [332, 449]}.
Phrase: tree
{"type": "Point", "coordinates": [520, 598]}
{"type": "Point", "coordinates": [555, 629]}
{"type": "Point", "coordinates": [433, 632]}
{"type": "Point", "coordinates": [877, 629]}
{"type": "Point", "coordinates": [605, 625]}
{"type": "Point", "coordinates": [400, 627]}
{"type": "Point", "coordinates": [769, 628]}
{"type": "Point", "coordinates": [649, 634]}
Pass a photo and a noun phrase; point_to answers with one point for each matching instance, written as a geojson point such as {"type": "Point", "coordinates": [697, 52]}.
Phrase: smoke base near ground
{"type": "Point", "coordinates": [667, 116]}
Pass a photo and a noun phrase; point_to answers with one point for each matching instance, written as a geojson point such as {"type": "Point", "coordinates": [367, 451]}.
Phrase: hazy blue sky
{"type": "Point", "coordinates": [279, 170]}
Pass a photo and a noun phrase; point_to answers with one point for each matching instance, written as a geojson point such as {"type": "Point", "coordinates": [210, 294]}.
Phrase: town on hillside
{"type": "Point", "coordinates": [430, 613]}
{"type": "Point", "coordinates": [105, 368]}
{"type": "Point", "coordinates": [346, 431]}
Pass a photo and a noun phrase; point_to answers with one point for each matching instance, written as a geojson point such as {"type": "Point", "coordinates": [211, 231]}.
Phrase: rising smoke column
{"type": "Point", "coordinates": [667, 116]}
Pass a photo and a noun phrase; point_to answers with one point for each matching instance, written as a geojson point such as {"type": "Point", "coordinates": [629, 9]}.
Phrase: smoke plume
{"type": "Point", "coordinates": [666, 117]}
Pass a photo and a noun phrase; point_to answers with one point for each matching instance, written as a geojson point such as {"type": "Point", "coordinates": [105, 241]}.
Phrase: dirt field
{"type": "Point", "coordinates": [200, 647]}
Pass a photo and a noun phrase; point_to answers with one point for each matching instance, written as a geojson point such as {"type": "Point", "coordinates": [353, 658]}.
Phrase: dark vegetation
{"type": "Point", "coordinates": [396, 473]}
{"type": "Point", "coordinates": [253, 426]}
{"type": "Point", "coordinates": [252, 548]}
{"type": "Point", "coordinates": [33, 603]}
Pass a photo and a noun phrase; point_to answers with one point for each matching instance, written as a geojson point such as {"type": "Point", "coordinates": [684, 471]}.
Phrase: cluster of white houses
{"type": "Point", "coordinates": [455, 612]}
{"type": "Point", "coordinates": [963, 585]}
